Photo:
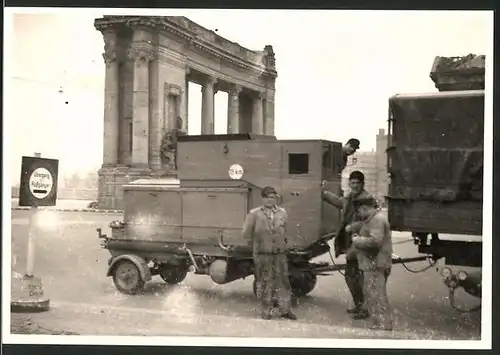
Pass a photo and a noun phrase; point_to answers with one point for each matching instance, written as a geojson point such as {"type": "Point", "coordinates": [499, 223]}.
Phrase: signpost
{"type": "Point", "coordinates": [38, 188]}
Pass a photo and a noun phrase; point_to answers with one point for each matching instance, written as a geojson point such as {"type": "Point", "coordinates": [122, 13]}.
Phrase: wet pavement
{"type": "Point", "coordinates": [72, 266]}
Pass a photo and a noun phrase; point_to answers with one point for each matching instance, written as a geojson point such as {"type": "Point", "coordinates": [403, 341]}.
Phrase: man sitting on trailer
{"type": "Point", "coordinates": [373, 245]}
{"type": "Point", "coordinates": [264, 228]}
{"type": "Point", "coordinates": [349, 223]}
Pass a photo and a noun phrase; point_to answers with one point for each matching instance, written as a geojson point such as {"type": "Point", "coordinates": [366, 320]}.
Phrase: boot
{"type": "Point", "coordinates": [361, 314]}
{"type": "Point", "coordinates": [354, 309]}
{"type": "Point", "coordinates": [354, 283]}
{"type": "Point", "coordinates": [289, 315]}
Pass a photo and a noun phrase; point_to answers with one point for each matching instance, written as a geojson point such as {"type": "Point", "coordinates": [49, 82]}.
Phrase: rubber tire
{"type": "Point", "coordinates": [175, 275]}
{"type": "Point", "coordinates": [139, 282]}
{"type": "Point", "coordinates": [304, 285]}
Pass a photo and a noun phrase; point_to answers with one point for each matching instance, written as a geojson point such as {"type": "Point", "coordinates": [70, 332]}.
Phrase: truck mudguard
{"type": "Point", "coordinates": [137, 260]}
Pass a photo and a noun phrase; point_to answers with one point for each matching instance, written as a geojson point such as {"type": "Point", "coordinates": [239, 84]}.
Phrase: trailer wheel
{"type": "Point", "coordinates": [127, 277]}
{"type": "Point", "coordinates": [303, 284]}
{"type": "Point", "coordinates": [173, 274]}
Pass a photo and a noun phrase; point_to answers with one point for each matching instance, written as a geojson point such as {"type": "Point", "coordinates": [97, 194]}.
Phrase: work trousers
{"type": "Point", "coordinates": [377, 300]}
{"type": "Point", "coordinates": [271, 275]}
{"type": "Point", "coordinates": [354, 280]}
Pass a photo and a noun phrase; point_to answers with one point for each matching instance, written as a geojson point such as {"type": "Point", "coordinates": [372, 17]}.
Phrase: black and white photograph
{"type": "Point", "coordinates": [286, 178]}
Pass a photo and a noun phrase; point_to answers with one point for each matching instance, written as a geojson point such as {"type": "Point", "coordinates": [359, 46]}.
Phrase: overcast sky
{"type": "Point", "coordinates": [336, 71]}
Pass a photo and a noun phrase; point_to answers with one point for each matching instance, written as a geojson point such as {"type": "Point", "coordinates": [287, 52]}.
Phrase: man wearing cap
{"type": "Point", "coordinates": [350, 223]}
{"type": "Point", "coordinates": [264, 228]}
{"type": "Point", "coordinates": [373, 244]}
{"type": "Point", "coordinates": [349, 149]}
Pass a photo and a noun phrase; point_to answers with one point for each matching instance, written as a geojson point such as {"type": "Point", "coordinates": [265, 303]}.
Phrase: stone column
{"type": "Point", "coordinates": [207, 106]}
{"type": "Point", "coordinates": [258, 114]}
{"type": "Point", "coordinates": [185, 127]}
{"type": "Point", "coordinates": [233, 109]}
{"type": "Point", "coordinates": [155, 101]}
{"type": "Point", "coordinates": [140, 103]}
{"type": "Point", "coordinates": [111, 100]}
{"type": "Point", "coordinates": [269, 114]}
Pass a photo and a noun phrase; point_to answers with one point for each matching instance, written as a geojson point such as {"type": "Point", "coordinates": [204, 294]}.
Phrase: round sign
{"type": "Point", "coordinates": [41, 183]}
{"type": "Point", "coordinates": [236, 171]}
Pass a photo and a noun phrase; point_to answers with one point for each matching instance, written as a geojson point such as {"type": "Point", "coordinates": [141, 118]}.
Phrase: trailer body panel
{"type": "Point", "coordinates": [435, 162]}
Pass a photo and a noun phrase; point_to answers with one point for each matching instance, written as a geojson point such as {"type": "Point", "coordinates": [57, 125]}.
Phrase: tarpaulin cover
{"type": "Point", "coordinates": [436, 150]}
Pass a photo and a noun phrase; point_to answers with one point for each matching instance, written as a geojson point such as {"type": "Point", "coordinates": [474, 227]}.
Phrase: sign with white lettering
{"type": "Point", "coordinates": [38, 182]}
{"type": "Point", "coordinates": [236, 171]}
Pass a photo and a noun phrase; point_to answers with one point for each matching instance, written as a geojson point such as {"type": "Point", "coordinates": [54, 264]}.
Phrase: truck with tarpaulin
{"type": "Point", "coordinates": [435, 165]}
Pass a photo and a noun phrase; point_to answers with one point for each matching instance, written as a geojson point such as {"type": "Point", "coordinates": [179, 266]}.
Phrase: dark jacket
{"type": "Point", "coordinates": [267, 236]}
{"type": "Point", "coordinates": [347, 216]}
{"type": "Point", "coordinates": [374, 246]}
{"type": "Point", "coordinates": [344, 160]}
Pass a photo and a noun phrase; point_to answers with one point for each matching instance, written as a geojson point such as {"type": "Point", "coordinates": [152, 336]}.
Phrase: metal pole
{"type": "Point", "coordinates": [32, 236]}
{"type": "Point", "coordinates": [31, 242]}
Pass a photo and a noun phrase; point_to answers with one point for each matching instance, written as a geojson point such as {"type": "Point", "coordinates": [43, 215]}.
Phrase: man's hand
{"type": "Point", "coordinates": [353, 227]}
{"type": "Point", "coordinates": [324, 185]}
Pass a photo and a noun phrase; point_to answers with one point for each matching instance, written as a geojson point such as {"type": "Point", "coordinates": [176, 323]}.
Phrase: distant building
{"type": "Point", "coordinates": [382, 175]}
{"type": "Point", "coordinates": [374, 165]}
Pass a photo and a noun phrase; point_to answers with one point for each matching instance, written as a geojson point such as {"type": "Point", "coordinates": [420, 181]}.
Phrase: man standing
{"type": "Point", "coordinates": [374, 250]}
{"type": "Point", "coordinates": [169, 143]}
{"type": "Point", "coordinates": [350, 223]}
{"type": "Point", "coordinates": [264, 228]}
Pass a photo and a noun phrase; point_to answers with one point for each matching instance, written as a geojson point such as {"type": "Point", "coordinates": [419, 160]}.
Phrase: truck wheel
{"type": "Point", "coordinates": [303, 284]}
{"type": "Point", "coordinates": [127, 277]}
{"type": "Point", "coordinates": [254, 287]}
{"type": "Point", "coordinates": [173, 274]}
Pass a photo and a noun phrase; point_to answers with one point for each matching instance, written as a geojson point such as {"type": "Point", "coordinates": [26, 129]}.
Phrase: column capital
{"type": "Point", "coordinates": [270, 95]}
{"type": "Point", "coordinates": [109, 57]}
{"type": "Point", "coordinates": [110, 46]}
{"type": "Point", "coordinates": [211, 80]}
{"type": "Point", "coordinates": [141, 55]}
{"type": "Point", "coordinates": [259, 95]}
{"type": "Point", "coordinates": [235, 89]}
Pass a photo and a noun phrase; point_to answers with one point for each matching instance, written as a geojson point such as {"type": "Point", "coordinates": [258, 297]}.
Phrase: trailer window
{"type": "Point", "coordinates": [298, 164]}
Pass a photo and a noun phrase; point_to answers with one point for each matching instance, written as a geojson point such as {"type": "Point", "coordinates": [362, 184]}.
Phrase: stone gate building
{"type": "Point", "coordinates": [149, 62]}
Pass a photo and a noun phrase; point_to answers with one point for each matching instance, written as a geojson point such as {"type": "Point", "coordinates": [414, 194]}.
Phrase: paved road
{"type": "Point", "coordinates": [72, 266]}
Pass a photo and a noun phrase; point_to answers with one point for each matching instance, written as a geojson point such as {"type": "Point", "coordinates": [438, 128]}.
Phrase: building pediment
{"type": "Point", "coordinates": [196, 36]}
